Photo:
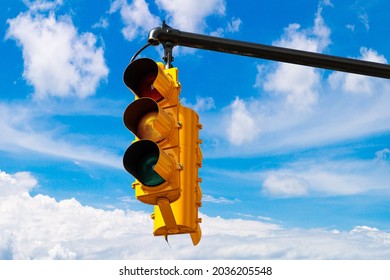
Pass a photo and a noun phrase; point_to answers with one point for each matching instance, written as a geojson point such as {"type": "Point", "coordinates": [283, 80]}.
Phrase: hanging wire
{"type": "Point", "coordinates": [139, 51]}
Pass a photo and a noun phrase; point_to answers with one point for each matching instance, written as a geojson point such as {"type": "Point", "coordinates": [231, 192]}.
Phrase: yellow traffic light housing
{"type": "Point", "coordinates": [153, 157]}
{"type": "Point", "coordinates": [185, 209]}
{"type": "Point", "coordinates": [165, 156]}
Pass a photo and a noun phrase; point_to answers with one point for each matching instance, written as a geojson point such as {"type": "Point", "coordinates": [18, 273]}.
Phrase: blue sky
{"type": "Point", "coordinates": [296, 159]}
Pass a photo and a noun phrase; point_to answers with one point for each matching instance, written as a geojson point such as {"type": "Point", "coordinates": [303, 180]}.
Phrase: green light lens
{"type": "Point", "coordinates": [146, 172]}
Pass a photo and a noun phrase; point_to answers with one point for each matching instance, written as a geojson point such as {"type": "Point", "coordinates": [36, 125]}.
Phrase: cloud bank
{"type": "Point", "coordinates": [39, 227]}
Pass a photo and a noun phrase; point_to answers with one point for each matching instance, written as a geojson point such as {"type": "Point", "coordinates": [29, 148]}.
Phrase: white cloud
{"type": "Point", "coordinates": [233, 26]}
{"type": "Point", "coordinates": [363, 17]}
{"type": "Point", "coordinates": [20, 183]}
{"type": "Point", "coordinates": [329, 177]}
{"type": "Point", "coordinates": [60, 253]}
{"type": "Point", "coordinates": [299, 84]}
{"type": "Point", "coordinates": [219, 200]}
{"type": "Point", "coordinates": [39, 227]}
{"type": "Point", "coordinates": [284, 186]}
{"type": "Point", "coordinates": [57, 60]}
{"type": "Point", "coordinates": [201, 104]}
{"type": "Point", "coordinates": [187, 15]}
{"type": "Point", "coordinates": [190, 15]}
{"type": "Point", "coordinates": [136, 16]}
{"type": "Point", "coordinates": [321, 31]}
{"type": "Point", "coordinates": [102, 23]}
{"type": "Point", "coordinates": [372, 55]}
{"type": "Point", "coordinates": [350, 27]}
{"type": "Point", "coordinates": [42, 5]}
{"type": "Point", "coordinates": [383, 154]}
{"type": "Point", "coordinates": [22, 130]}
{"type": "Point", "coordinates": [242, 127]}
{"type": "Point", "coordinates": [327, 3]}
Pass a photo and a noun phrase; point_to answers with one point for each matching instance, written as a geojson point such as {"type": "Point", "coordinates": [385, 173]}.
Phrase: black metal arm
{"type": "Point", "coordinates": [166, 34]}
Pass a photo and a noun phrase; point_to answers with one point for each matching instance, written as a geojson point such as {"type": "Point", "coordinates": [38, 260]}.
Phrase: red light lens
{"type": "Point", "coordinates": [146, 88]}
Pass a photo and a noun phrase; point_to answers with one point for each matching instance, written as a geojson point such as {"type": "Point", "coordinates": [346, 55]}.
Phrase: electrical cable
{"type": "Point", "coordinates": [139, 51]}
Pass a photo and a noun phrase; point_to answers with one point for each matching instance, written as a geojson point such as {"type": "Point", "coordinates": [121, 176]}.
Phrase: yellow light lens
{"type": "Point", "coordinates": [146, 129]}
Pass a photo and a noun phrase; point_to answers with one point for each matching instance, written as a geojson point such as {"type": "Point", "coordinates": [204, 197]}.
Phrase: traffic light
{"type": "Point", "coordinates": [165, 156]}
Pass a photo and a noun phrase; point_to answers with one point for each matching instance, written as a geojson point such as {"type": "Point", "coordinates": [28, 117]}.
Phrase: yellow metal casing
{"type": "Point", "coordinates": [153, 119]}
{"type": "Point", "coordinates": [185, 209]}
